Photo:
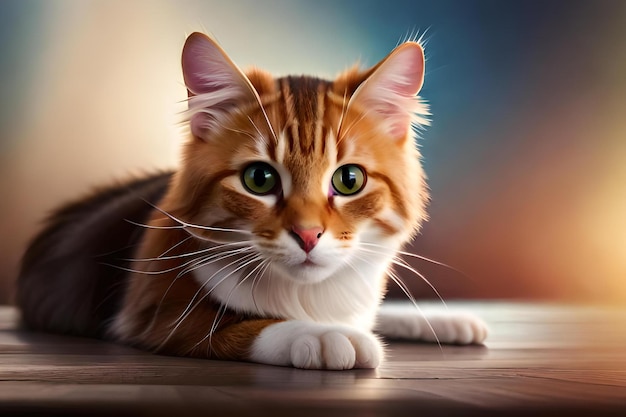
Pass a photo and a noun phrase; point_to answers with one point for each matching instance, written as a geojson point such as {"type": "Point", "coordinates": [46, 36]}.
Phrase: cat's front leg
{"type": "Point", "coordinates": [313, 345]}
{"type": "Point", "coordinates": [451, 327]}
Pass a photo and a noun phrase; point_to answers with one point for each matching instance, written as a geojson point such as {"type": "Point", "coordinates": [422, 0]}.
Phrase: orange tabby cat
{"type": "Point", "coordinates": [273, 241]}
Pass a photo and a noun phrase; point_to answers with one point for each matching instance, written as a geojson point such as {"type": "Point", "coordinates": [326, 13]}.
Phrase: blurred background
{"type": "Point", "coordinates": [526, 154]}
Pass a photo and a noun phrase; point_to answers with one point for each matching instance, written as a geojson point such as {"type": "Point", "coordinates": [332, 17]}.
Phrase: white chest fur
{"type": "Point", "coordinates": [350, 296]}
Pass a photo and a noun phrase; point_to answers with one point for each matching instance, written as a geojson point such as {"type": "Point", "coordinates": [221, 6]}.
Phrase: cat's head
{"type": "Point", "coordinates": [318, 172]}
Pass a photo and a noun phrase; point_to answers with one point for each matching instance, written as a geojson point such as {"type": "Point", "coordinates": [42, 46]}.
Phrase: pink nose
{"type": "Point", "coordinates": [307, 238]}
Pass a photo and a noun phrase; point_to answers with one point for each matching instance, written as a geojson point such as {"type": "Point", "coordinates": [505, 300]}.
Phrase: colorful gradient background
{"type": "Point", "coordinates": [526, 154]}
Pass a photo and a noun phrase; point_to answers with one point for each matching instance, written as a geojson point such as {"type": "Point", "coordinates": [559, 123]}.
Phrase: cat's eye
{"type": "Point", "coordinates": [349, 179]}
{"type": "Point", "coordinates": [260, 178]}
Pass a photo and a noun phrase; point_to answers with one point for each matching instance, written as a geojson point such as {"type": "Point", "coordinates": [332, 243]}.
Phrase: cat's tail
{"type": "Point", "coordinates": [66, 283]}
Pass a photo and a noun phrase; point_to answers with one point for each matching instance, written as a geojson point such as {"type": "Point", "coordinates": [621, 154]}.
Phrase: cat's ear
{"type": "Point", "coordinates": [216, 86]}
{"type": "Point", "coordinates": [390, 91]}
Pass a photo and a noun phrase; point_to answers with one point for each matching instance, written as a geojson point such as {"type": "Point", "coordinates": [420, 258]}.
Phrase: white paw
{"type": "Point", "coordinates": [316, 346]}
{"type": "Point", "coordinates": [456, 328]}
{"type": "Point", "coordinates": [444, 327]}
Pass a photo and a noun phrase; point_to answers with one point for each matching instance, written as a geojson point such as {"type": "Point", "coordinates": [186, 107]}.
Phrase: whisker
{"type": "Point", "coordinates": [200, 265]}
{"type": "Point", "coordinates": [187, 224]}
{"type": "Point", "coordinates": [267, 119]}
{"type": "Point", "coordinates": [163, 271]}
{"type": "Point", "coordinates": [187, 254]}
{"type": "Point", "coordinates": [216, 257]}
{"type": "Point", "coordinates": [205, 259]}
{"type": "Point", "coordinates": [256, 281]}
{"type": "Point", "coordinates": [192, 234]}
{"type": "Point", "coordinates": [244, 279]}
{"type": "Point", "coordinates": [355, 269]}
{"type": "Point", "coordinates": [400, 262]}
{"type": "Point", "coordinates": [194, 304]}
{"type": "Point", "coordinates": [406, 292]}
{"type": "Point", "coordinates": [104, 255]}
{"type": "Point", "coordinates": [174, 247]}
{"type": "Point", "coordinates": [224, 306]}
{"type": "Point", "coordinates": [149, 226]}
{"type": "Point", "coordinates": [137, 271]}
{"type": "Point", "coordinates": [255, 128]}
{"type": "Point", "coordinates": [190, 307]}
{"type": "Point", "coordinates": [421, 257]}
{"type": "Point", "coordinates": [398, 281]}
{"type": "Point", "coordinates": [215, 229]}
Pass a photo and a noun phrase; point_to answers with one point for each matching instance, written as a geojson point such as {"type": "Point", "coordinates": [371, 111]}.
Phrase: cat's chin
{"type": "Point", "coordinates": [307, 272]}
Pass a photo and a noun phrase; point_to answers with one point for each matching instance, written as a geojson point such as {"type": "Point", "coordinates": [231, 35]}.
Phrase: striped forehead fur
{"type": "Point", "coordinates": [304, 101]}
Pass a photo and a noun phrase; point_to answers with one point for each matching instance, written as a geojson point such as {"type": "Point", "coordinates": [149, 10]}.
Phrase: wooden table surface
{"type": "Point", "coordinates": [539, 360]}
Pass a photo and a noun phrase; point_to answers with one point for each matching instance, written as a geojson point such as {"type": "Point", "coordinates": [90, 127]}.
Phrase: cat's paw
{"type": "Point", "coordinates": [443, 327]}
{"type": "Point", "coordinates": [455, 328]}
{"type": "Point", "coordinates": [316, 346]}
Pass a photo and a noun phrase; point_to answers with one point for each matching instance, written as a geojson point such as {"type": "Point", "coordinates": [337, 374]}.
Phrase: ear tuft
{"type": "Point", "coordinates": [391, 90]}
{"type": "Point", "coordinates": [215, 84]}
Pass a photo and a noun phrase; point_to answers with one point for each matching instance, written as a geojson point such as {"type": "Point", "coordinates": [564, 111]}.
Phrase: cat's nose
{"type": "Point", "coordinates": [307, 238]}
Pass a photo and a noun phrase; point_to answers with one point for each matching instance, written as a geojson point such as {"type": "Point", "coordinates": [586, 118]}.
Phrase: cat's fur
{"type": "Point", "coordinates": [290, 277]}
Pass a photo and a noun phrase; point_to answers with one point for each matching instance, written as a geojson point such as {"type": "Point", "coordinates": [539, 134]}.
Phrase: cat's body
{"type": "Point", "coordinates": [273, 241]}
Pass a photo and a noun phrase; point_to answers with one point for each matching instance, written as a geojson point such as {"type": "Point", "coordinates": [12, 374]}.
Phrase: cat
{"type": "Point", "coordinates": [274, 240]}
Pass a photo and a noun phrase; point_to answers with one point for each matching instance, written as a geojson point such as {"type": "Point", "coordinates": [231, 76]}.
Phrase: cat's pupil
{"type": "Point", "coordinates": [348, 178]}
{"type": "Point", "coordinates": [259, 177]}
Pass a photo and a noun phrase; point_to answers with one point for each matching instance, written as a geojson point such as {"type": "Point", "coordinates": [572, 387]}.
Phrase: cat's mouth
{"type": "Point", "coordinates": [307, 270]}
{"type": "Point", "coordinates": [309, 263]}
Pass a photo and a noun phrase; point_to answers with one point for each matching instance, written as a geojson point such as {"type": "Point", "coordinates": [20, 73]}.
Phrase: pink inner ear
{"type": "Point", "coordinates": [205, 68]}
{"type": "Point", "coordinates": [218, 86]}
{"type": "Point", "coordinates": [405, 74]}
{"type": "Point", "coordinates": [391, 90]}
{"type": "Point", "coordinates": [401, 121]}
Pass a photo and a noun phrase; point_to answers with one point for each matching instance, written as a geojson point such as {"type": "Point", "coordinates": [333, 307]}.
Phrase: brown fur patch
{"type": "Point", "coordinates": [154, 307]}
{"type": "Point", "coordinates": [386, 228]}
{"type": "Point", "coordinates": [241, 205]}
{"type": "Point", "coordinates": [365, 207]}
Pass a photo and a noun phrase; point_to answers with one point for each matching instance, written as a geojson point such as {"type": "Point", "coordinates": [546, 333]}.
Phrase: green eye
{"type": "Point", "coordinates": [260, 178]}
{"type": "Point", "coordinates": [349, 180]}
